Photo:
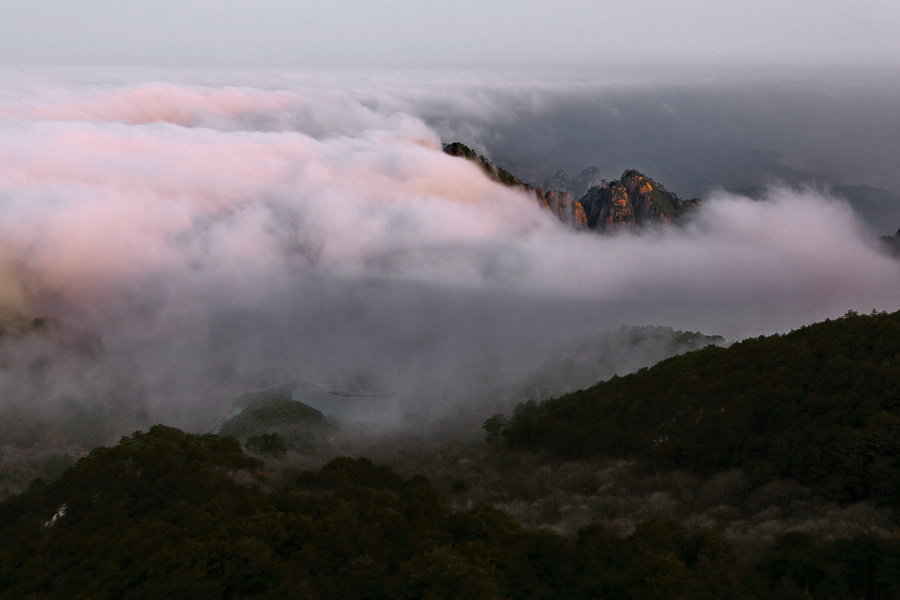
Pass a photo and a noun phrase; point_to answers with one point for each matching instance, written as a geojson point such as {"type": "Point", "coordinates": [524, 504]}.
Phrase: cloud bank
{"type": "Point", "coordinates": [216, 238]}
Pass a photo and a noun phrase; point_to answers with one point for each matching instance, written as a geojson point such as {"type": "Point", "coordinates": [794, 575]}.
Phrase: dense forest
{"type": "Point", "coordinates": [768, 469]}
{"type": "Point", "coordinates": [820, 405]}
{"type": "Point", "coordinates": [165, 514]}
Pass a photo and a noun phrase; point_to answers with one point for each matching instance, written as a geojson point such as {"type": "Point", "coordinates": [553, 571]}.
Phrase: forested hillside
{"type": "Point", "coordinates": [820, 405]}
{"type": "Point", "coordinates": [165, 514]}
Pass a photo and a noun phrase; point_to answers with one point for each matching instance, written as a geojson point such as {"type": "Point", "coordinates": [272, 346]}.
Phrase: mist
{"type": "Point", "coordinates": [192, 236]}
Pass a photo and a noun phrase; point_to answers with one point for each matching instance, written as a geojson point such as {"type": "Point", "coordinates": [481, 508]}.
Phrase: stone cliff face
{"type": "Point", "coordinates": [560, 203]}
{"type": "Point", "coordinates": [632, 200]}
{"type": "Point", "coordinates": [607, 206]}
{"type": "Point", "coordinates": [566, 209]}
{"type": "Point", "coordinates": [560, 181]}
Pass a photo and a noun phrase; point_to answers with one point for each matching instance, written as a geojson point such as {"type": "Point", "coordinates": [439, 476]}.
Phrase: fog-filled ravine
{"type": "Point", "coordinates": [217, 232]}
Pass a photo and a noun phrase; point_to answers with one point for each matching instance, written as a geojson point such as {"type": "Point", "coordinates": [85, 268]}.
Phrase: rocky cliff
{"type": "Point", "coordinates": [566, 209]}
{"type": "Point", "coordinates": [560, 203]}
{"type": "Point", "coordinates": [632, 200]}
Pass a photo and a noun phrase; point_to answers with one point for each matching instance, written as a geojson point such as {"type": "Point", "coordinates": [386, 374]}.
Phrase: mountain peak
{"type": "Point", "coordinates": [495, 172]}
{"type": "Point", "coordinates": [560, 203]}
{"type": "Point", "coordinates": [633, 199]}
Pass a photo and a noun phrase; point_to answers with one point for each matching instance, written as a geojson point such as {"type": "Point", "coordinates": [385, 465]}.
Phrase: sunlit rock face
{"type": "Point", "coordinates": [560, 203]}
{"type": "Point", "coordinates": [632, 200]}
{"type": "Point", "coordinates": [651, 201]}
{"type": "Point", "coordinates": [567, 210]}
{"type": "Point", "coordinates": [608, 206]}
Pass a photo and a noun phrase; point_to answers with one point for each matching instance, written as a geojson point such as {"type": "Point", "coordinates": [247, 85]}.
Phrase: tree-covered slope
{"type": "Point", "coordinates": [820, 405]}
{"type": "Point", "coordinates": [165, 514]}
{"type": "Point", "coordinates": [277, 413]}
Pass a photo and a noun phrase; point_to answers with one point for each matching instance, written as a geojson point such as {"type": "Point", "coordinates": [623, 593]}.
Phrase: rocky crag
{"type": "Point", "coordinates": [633, 200]}
{"type": "Point", "coordinates": [559, 202]}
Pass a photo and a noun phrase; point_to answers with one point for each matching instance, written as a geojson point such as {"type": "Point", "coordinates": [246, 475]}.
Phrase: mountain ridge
{"type": "Point", "coordinates": [633, 200]}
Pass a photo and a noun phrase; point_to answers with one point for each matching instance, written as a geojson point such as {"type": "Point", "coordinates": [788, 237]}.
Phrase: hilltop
{"type": "Point", "coordinates": [820, 405]}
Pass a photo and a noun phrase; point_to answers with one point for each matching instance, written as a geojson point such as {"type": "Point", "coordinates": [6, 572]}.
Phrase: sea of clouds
{"type": "Point", "coordinates": [220, 231]}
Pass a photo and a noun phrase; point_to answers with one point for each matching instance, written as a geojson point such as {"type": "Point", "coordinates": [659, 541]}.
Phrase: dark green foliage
{"type": "Point", "coordinates": [267, 443]}
{"type": "Point", "coordinates": [494, 427]}
{"type": "Point", "coordinates": [863, 567]}
{"type": "Point", "coordinates": [55, 464]}
{"type": "Point", "coordinates": [161, 515]}
{"type": "Point", "coordinates": [662, 560]}
{"type": "Point", "coordinates": [277, 413]}
{"type": "Point", "coordinates": [820, 405]}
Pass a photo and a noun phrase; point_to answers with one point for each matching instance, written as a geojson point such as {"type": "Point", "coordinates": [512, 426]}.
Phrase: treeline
{"type": "Point", "coordinates": [820, 405]}
{"type": "Point", "coordinates": [276, 414]}
{"type": "Point", "coordinates": [165, 514]}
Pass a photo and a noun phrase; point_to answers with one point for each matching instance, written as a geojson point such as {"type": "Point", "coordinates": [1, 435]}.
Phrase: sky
{"type": "Point", "coordinates": [462, 33]}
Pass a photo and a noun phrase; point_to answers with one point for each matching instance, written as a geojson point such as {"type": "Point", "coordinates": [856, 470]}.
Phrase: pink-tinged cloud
{"type": "Point", "coordinates": [309, 231]}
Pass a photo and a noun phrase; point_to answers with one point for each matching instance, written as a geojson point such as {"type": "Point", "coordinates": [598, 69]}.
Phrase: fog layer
{"type": "Point", "coordinates": [216, 237]}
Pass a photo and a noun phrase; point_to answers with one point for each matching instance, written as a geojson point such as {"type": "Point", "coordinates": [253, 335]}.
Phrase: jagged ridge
{"type": "Point", "coordinates": [560, 203]}
{"type": "Point", "coordinates": [632, 200]}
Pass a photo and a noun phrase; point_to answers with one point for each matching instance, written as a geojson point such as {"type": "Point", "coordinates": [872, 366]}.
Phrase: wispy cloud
{"type": "Point", "coordinates": [220, 237]}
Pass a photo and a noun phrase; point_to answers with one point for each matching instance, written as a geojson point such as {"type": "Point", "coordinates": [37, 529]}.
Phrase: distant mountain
{"type": "Point", "coordinates": [632, 200]}
{"type": "Point", "coordinates": [589, 201]}
{"type": "Point", "coordinates": [579, 186]}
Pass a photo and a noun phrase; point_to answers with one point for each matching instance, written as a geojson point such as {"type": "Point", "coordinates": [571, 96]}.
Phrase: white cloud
{"type": "Point", "coordinates": [221, 237]}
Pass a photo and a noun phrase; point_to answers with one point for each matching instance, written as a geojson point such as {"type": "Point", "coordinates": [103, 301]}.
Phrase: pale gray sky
{"type": "Point", "coordinates": [428, 33]}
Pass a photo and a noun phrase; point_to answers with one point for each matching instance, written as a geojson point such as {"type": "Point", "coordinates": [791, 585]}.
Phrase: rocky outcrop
{"type": "Point", "coordinates": [560, 181]}
{"type": "Point", "coordinates": [566, 209]}
{"type": "Point", "coordinates": [632, 200]}
{"type": "Point", "coordinates": [560, 203]}
{"type": "Point", "coordinates": [578, 186]}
